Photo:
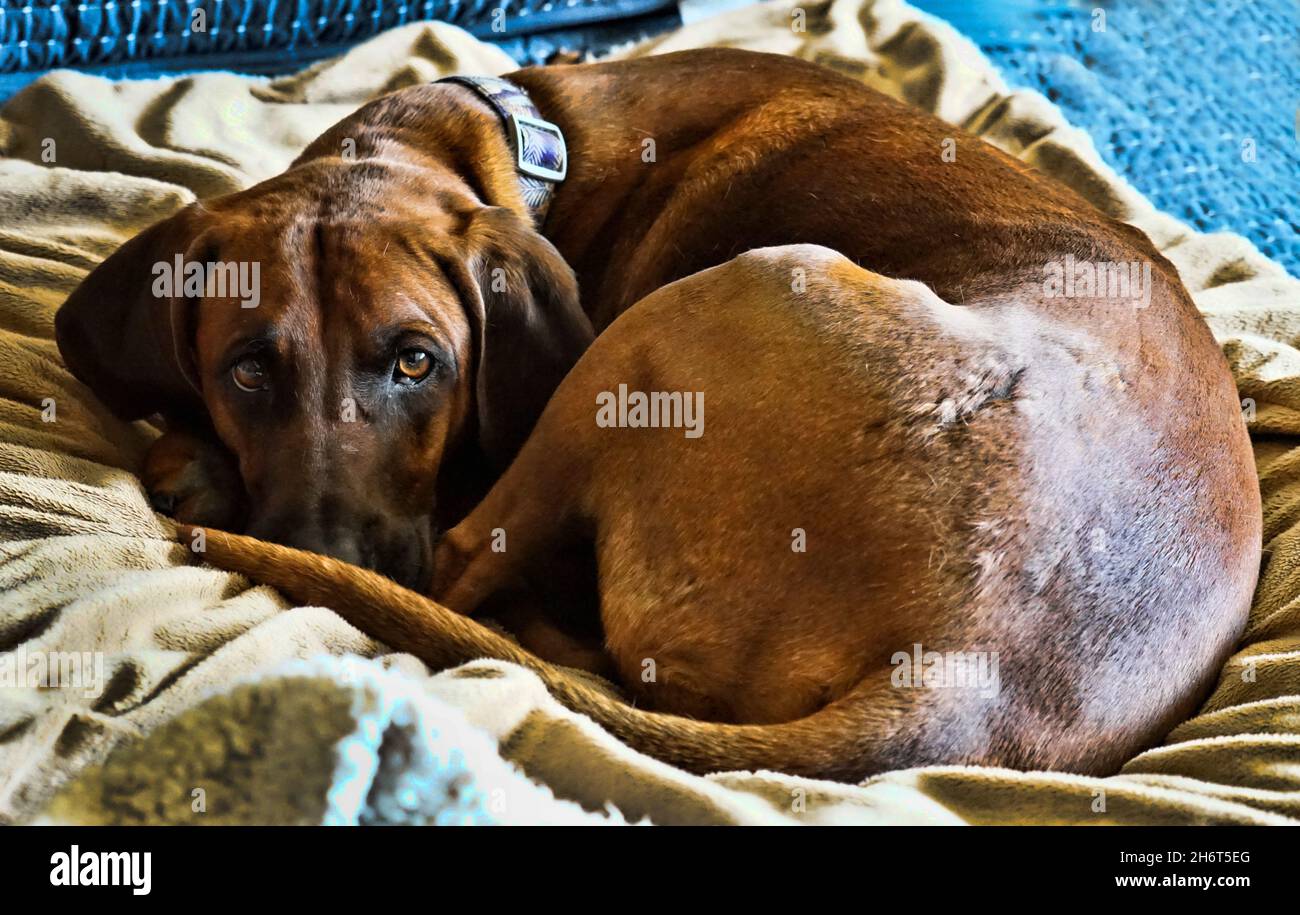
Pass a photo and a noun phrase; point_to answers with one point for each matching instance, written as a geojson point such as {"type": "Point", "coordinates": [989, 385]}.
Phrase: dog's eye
{"type": "Point", "coordinates": [413, 365]}
{"type": "Point", "coordinates": [249, 374]}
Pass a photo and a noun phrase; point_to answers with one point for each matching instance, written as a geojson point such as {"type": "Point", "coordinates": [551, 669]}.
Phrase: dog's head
{"type": "Point", "coordinates": [351, 332]}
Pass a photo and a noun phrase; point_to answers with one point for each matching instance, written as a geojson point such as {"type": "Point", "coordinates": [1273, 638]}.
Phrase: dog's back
{"type": "Point", "coordinates": [882, 474]}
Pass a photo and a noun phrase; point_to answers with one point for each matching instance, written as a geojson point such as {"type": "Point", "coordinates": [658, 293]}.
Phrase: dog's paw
{"type": "Point", "coordinates": [194, 481]}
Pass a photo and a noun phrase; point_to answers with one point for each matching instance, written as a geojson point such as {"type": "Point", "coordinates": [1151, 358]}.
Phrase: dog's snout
{"type": "Point", "coordinates": [341, 544]}
{"type": "Point", "coordinates": [401, 551]}
{"type": "Point", "coordinates": [338, 543]}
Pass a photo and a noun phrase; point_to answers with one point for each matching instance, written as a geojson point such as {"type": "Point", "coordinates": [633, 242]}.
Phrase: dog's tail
{"type": "Point", "coordinates": [841, 741]}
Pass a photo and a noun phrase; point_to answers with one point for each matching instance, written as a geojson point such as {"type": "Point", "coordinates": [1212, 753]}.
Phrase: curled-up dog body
{"type": "Point", "coordinates": [853, 456]}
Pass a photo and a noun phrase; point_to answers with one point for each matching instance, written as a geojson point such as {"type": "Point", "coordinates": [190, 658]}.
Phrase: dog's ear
{"type": "Point", "coordinates": [132, 347]}
{"type": "Point", "coordinates": [529, 328]}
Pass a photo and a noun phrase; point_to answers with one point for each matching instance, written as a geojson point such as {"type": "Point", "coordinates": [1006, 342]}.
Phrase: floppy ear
{"type": "Point", "coordinates": [529, 327]}
{"type": "Point", "coordinates": [132, 348]}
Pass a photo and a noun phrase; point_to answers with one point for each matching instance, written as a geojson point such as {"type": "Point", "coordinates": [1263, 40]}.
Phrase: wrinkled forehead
{"type": "Point", "coordinates": [321, 285]}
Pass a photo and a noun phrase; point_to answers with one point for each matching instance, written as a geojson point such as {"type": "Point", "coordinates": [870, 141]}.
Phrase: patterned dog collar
{"type": "Point", "coordinates": [541, 157]}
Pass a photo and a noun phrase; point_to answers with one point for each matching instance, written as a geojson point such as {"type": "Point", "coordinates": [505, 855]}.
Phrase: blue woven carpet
{"type": "Point", "coordinates": [124, 39]}
{"type": "Point", "coordinates": [1194, 102]}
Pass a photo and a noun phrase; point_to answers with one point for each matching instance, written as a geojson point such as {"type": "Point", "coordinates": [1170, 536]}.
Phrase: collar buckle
{"type": "Point", "coordinates": [540, 154]}
{"type": "Point", "coordinates": [532, 150]}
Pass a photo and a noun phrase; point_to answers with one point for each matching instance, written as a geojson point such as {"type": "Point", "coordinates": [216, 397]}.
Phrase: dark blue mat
{"type": "Point", "coordinates": [143, 39]}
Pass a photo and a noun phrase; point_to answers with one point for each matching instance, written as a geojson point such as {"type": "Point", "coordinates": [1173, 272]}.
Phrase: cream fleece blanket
{"type": "Point", "coordinates": [86, 567]}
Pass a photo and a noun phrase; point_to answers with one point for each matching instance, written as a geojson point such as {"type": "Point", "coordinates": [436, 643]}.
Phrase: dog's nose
{"type": "Point", "coordinates": [399, 554]}
{"type": "Point", "coordinates": [340, 543]}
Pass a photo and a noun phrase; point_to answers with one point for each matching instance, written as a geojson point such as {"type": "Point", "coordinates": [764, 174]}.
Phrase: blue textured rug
{"type": "Point", "coordinates": [146, 39]}
{"type": "Point", "coordinates": [1193, 102]}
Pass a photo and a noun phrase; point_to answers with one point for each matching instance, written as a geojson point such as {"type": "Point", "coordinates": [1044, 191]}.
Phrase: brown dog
{"type": "Point", "coordinates": [978, 463]}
